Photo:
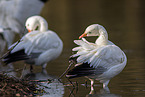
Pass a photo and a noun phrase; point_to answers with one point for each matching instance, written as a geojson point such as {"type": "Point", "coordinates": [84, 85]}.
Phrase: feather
{"type": "Point", "coordinates": [17, 56]}
{"type": "Point", "coordinates": [85, 70]}
{"type": "Point", "coordinates": [76, 48]}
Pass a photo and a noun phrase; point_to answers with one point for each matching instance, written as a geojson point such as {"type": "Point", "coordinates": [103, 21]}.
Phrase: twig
{"type": "Point", "coordinates": [76, 87]}
{"type": "Point", "coordinates": [39, 81]}
{"type": "Point", "coordinates": [23, 71]}
{"type": "Point", "coordinates": [71, 92]}
{"type": "Point", "coordinates": [4, 86]}
{"type": "Point", "coordinates": [12, 70]}
{"type": "Point", "coordinates": [70, 82]}
{"type": "Point", "coordinates": [65, 72]}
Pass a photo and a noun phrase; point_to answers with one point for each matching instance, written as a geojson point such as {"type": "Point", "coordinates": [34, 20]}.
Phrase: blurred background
{"type": "Point", "coordinates": [124, 21]}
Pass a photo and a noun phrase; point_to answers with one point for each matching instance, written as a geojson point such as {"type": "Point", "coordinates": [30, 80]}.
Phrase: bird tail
{"type": "Point", "coordinates": [80, 71]}
{"type": "Point", "coordinates": [12, 57]}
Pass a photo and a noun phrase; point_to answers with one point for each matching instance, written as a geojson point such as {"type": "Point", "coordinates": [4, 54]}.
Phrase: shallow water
{"type": "Point", "coordinates": [123, 19]}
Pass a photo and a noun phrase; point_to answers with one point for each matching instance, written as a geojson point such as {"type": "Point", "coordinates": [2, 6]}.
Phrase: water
{"type": "Point", "coordinates": [123, 19]}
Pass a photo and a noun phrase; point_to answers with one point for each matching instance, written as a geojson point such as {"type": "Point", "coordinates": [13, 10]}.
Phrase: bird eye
{"type": "Point", "coordinates": [89, 32]}
{"type": "Point", "coordinates": [37, 28]}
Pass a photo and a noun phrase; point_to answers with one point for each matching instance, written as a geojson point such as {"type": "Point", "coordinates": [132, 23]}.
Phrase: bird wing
{"type": "Point", "coordinates": [84, 44]}
{"type": "Point", "coordinates": [105, 56]}
{"type": "Point", "coordinates": [96, 61]}
{"type": "Point", "coordinates": [37, 42]}
{"type": "Point", "coordinates": [84, 47]}
{"type": "Point", "coordinates": [84, 70]}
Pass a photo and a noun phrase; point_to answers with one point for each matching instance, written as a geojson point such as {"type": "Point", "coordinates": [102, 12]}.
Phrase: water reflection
{"type": "Point", "coordinates": [8, 69]}
{"type": "Point", "coordinates": [105, 92]}
{"type": "Point", "coordinates": [53, 89]}
{"type": "Point", "coordinates": [96, 92]}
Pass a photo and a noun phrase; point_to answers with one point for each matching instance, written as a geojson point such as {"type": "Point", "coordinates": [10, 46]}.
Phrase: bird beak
{"type": "Point", "coordinates": [83, 35]}
{"type": "Point", "coordinates": [29, 30]}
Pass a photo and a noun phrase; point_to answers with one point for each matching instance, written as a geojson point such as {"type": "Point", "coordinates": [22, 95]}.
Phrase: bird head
{"type": "Point", "coordinates": [93, 30]}
{"type": "Point", "coordinates": [32, 24]}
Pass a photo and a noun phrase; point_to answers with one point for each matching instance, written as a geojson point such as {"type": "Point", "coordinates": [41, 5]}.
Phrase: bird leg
{"type": "Point", "coordinates": [44, 66]}
{"type": "Point", "coordinates": [92, 87]}
{"type": "Point", "coordinates": [92, 84]}
{"type": "Point", "coordinates": [105, 84]}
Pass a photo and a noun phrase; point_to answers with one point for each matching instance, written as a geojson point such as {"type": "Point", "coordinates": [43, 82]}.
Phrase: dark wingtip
{"type": "Point", "coordinates": [12, 57]}
{"type": "Point", "coordinates": [44, 1]}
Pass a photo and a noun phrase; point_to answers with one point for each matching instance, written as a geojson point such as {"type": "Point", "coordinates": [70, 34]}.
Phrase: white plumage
{"type": "Point", "coordinates": [37, 47]}
{"type": "Point", "coordinates": [13, 16]}
{"type": "Point", "coordinates": [101, 60]}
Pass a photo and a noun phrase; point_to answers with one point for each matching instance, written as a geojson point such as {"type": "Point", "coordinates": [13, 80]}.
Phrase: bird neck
{"type": "Point", "coordinates": [102, 39]}
{"type": "Point", "coordinates": [43, 25]}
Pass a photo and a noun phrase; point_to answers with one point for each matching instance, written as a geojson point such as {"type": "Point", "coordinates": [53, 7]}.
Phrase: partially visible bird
{"type": "Point", "coordinates": [13, 16]}
{"type": "Point", "coordinates": [37, 47]}
{"type": "Point", "coordinates": [101, 60]}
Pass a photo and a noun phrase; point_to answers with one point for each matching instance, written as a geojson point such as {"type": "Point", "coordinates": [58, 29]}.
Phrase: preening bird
{"type": "Point", "coordinates": [13, 14]}
{"type": "Point", "coordinates": [37, 47]}
{"type": "Point", "coordinates": [101, 60]}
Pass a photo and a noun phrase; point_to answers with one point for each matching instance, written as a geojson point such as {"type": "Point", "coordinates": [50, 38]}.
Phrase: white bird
{"type": "Point", "coordinates": [37, 47]}
{"type": "Point", "coordinates": [13, 16]}
{"type": "Point", "coordinates": [101, 60]}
